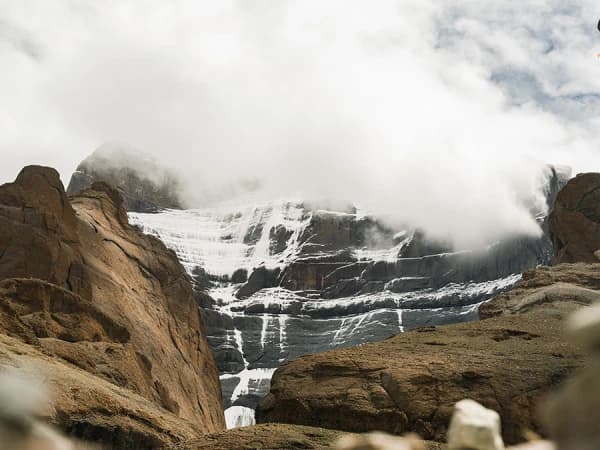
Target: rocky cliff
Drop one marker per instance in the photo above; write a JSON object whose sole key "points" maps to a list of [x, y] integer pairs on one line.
{"points": [[144, 185], [575, 220], [105, 313]]}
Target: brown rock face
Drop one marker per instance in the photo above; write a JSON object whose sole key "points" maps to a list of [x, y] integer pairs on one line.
{"points": [[103, 303], [575, 220], [410, 382], [92, 408]]}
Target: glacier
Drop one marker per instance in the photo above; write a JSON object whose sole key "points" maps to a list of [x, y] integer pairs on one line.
{"points": [[395, 282]]}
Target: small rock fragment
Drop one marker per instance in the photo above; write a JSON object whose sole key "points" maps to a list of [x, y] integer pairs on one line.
{"points": [[474, 427]]}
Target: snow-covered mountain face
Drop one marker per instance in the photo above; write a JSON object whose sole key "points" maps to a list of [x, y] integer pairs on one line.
{"points": [[279, 280]]}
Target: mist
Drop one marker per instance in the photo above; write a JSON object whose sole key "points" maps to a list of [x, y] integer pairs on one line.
{"points": [[439, 115]]}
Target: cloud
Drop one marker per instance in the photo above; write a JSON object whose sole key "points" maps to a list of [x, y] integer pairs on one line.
{"points": [[437, 114]]}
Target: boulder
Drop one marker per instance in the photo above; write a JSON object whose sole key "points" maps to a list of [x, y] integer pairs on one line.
{"points": [[474, 427]]}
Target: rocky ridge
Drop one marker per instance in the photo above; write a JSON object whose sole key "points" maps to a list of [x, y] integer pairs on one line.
{"points": [[144, 185], [106, 312]]}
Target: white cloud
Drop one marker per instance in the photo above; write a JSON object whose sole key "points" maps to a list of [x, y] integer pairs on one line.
{"points": [[436, 113]]}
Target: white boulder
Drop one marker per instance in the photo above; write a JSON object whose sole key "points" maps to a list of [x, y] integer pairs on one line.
{"points": [[474, 427]]}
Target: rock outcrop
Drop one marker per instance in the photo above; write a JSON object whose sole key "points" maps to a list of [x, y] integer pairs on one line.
{"points": [[106, 313], [575, 220], [144, 185], [410, 382], [274, 436]]}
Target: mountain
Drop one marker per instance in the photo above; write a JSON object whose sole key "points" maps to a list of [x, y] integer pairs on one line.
{"points": [[145, 185], [105, 315], [509, 361], [280, 280]]}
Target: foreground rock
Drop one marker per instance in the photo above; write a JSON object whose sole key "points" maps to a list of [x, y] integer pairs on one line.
{"points": [[144, 185], [91, 408], [264, 436], [273, 436], [410, 383], [106, 313], [575, 220]]}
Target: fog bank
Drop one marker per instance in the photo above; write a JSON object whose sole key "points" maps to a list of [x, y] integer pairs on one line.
{"points": [[438, 115]]}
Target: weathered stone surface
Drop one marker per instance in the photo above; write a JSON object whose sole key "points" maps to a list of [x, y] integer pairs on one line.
{"points": [[577, 284], [575, 220], [81, 285], [90, 407], [143, 184], [267, 436], [274, 436], [411, 382]]}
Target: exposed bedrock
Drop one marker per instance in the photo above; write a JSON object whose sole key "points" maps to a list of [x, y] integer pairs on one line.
{"points": [[109, 311], [506, 362], [277, 436], [575, 220]]}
